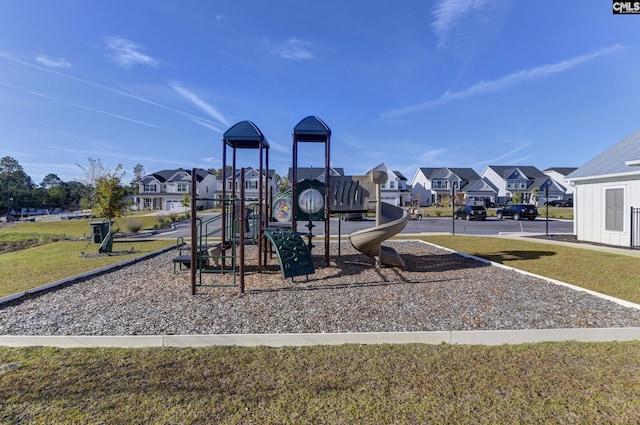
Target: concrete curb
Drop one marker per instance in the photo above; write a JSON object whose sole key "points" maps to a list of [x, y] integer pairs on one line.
{"points": [[486, 337]]}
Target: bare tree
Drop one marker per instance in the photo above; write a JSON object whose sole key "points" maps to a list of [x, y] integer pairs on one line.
{"points": [[90, 175]]}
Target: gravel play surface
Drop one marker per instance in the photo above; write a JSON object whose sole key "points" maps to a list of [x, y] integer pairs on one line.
{"points": [[437, 291]]}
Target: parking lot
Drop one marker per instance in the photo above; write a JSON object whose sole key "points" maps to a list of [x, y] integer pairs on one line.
{"points": [[490, 226]]}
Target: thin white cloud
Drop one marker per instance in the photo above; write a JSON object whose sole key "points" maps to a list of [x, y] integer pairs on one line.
{"points": [[199, 103], [279, 147], [431, 155], [508, 156], [7, 56], [88, 108], [296, 49], [208, 125], [450, 16], [501, 84], [116, 153], [126, 53], [53, 62]]}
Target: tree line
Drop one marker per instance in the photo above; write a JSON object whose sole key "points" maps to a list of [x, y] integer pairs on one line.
{"points": [[18, 191]]}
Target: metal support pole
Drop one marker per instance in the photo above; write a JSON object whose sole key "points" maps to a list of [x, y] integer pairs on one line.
{"points": [[453, 208], [241, 230], [224, 203], [378, 213], [327, 192], [294, 182], [194, 236], [546, 196]]}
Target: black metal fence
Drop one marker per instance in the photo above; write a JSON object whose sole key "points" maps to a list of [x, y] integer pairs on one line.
{"points": [[635, 228]]}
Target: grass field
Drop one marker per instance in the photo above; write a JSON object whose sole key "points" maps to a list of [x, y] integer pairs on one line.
{"points": [[560, 383], [47, 251]]}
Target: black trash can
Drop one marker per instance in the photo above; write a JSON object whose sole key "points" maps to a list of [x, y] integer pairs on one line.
{"points": [[99, 230]]}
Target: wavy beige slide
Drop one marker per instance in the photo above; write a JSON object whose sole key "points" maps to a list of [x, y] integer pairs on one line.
{"points": [[369, 241]]}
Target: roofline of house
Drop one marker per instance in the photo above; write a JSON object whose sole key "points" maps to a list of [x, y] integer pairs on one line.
{"points": [[603, 176]]}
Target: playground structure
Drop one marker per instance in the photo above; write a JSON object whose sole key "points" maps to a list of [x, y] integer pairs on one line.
{"points": [[271, 221], [390, 220]]}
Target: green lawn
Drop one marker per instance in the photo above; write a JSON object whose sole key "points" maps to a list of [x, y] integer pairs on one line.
{"points": [[50, 251], [562, 383]]}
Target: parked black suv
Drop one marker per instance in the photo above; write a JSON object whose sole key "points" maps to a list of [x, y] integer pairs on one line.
{"points": [[471, 212], [518, 212]]}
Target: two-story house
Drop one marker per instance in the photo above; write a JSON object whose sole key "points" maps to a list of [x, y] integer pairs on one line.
{"points": [[395, 190], [431, 186], [251, 183], [526, 183], [165, 190], [559, 175]]}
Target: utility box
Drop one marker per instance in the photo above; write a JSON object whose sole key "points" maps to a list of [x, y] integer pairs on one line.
{"points": [[99, 230]]}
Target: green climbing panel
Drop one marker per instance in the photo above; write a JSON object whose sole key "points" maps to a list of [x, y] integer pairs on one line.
{"points": [[293, 254]]}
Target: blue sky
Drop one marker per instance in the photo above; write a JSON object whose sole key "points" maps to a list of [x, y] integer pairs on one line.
{"points": [[411, 83]]}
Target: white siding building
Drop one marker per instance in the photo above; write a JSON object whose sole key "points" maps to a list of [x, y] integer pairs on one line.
{"points": [[606, 192]]}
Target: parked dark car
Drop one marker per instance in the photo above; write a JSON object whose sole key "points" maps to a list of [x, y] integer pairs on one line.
{"points": [[471, 212], [353, 216], [560, 203], [518, 212]]}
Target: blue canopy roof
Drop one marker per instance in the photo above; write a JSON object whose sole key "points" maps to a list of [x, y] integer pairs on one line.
{"points": [[311, 129], [245, 135]]}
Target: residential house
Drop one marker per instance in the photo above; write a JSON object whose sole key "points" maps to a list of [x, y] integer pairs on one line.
{"points": [[432, 186], [395, 190], [165, 190], [251, 183], [607, 195], [526, 183], [559, 175]]}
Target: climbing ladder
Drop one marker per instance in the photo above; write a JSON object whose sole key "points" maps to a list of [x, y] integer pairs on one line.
{"points": [[293, 255]]}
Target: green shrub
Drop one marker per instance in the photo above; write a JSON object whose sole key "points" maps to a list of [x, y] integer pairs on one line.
{"points": [[133, 225]]}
